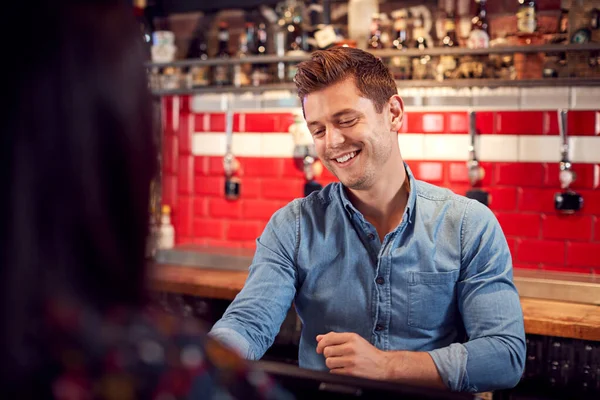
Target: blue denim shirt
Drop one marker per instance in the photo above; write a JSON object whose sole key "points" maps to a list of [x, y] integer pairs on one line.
{"points": [[441, 282]]}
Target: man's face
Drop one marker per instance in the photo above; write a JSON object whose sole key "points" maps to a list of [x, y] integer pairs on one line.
{"points": [[351, 138]]}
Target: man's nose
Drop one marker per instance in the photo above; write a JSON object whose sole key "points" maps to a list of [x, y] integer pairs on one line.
{"points": [[334, 137]]}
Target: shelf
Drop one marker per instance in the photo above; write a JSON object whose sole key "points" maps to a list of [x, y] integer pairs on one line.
{"points": [[457, 83], [388, 53]]}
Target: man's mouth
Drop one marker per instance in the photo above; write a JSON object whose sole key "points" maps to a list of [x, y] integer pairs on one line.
{"points": [[346, 157]]}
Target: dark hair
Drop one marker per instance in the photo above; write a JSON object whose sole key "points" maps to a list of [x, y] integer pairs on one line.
{"points": [[327, 67], [76, 162]]}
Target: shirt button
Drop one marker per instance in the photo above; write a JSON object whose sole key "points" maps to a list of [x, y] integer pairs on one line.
{"points": [[379, 327], [380, 280], [371, 236]]}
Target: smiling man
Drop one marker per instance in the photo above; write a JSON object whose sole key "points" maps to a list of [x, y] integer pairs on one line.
{"points": [[393, 278]]}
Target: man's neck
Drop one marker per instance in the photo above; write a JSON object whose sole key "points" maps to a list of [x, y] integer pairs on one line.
{"points": [[384, 203]]}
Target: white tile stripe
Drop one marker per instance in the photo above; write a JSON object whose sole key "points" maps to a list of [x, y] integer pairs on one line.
{"points": [[444, 147]]}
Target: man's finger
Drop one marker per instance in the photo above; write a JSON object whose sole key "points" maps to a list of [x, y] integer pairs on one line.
{"points": [[337, 350], [341, 371], [332, 339], [337, 362]]}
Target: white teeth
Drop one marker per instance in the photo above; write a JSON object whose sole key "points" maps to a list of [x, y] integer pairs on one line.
{"points": [[346, 157]]}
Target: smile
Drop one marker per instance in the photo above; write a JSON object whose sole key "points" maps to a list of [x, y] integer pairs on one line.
{"points": [[347, 157]]}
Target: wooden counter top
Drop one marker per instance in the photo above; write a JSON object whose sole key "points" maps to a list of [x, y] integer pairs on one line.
{"points": [[542, 317]]}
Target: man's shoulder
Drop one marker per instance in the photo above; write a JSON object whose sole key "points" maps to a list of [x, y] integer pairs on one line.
{"points": [[436, 197], [313, 203]]}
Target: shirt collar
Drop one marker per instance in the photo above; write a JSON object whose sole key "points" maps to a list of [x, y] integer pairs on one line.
{"points": [[410, 204]]}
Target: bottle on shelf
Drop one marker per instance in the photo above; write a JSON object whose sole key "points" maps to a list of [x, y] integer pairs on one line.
{"points": [[296, 44], [479, 38], [375, 41], [243, 72], [359, 14], [139, 10], [526, 16], [315, 16], [450, 39], [166, 231], [400, 65], [199, 74], [448, 63], [260, 72], [222, 72], [563, 22], [421, 66]]}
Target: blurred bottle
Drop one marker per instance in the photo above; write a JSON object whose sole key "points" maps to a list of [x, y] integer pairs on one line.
{"points": [[450, 39], [448, 63], [166, 231], [563, 23], [374, 41], [296, 44], [315, 16], [200, 74], [222, 72], [400, 65], [421, 66], [243, 71], [359, 14], [526, 16], [139, 10], [260, 72], [479, 38]]}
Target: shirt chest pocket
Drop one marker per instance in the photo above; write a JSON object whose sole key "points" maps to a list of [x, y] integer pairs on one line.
{"points": [[431, 299]]}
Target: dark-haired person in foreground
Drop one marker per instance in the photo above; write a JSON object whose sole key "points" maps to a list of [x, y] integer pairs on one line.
{"points": [[76, 160], [387, 273]]}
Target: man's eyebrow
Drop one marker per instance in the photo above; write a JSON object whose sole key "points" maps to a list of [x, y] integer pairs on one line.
{"points": [[341, 113], [346, 111]]}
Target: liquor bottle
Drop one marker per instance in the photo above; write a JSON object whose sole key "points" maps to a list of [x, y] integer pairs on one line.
{"points": [[374, 41], [243, 71], [296, 36], [450, 39], [421, 66], [479, 38], [400, 65], [139, 10], [526, 16], [448, 63], [315, 14], [563, 22], [200, 74], [222, 72], [419, 34], [260, 72]]}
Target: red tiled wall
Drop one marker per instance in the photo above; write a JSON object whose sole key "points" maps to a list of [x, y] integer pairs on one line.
{"points": [[522, 193]]}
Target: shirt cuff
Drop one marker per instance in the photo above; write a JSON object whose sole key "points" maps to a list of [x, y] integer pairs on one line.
{"points": [[451, 363], [233, 340]]}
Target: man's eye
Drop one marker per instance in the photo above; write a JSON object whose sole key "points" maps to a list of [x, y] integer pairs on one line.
{"points": [[348, 122], [318, 132]]}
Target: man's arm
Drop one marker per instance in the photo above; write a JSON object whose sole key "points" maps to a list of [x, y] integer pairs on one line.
{"points": [[253, 319], [494, 356], [351, 354]]}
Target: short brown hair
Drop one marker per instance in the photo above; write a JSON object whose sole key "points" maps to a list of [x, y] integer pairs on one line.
{"points": [[326, 67]]}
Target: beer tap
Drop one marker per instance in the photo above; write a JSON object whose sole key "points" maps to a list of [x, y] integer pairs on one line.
{"points": [[568, 201], [304, 150], [474, 170], [230, 163]]}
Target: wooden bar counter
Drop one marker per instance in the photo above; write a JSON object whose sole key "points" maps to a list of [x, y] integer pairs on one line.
{"points": [[542, 317]]}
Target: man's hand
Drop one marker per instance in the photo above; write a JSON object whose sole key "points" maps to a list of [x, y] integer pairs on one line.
{"points": [[350, 354]]}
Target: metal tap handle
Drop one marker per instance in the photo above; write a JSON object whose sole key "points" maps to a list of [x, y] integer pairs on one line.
{"points": [[562, 128], [472, 133], [229, 125], [309, 172]]}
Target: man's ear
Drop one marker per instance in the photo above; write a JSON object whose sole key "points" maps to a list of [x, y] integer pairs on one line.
{"points": [[396, 112]]}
